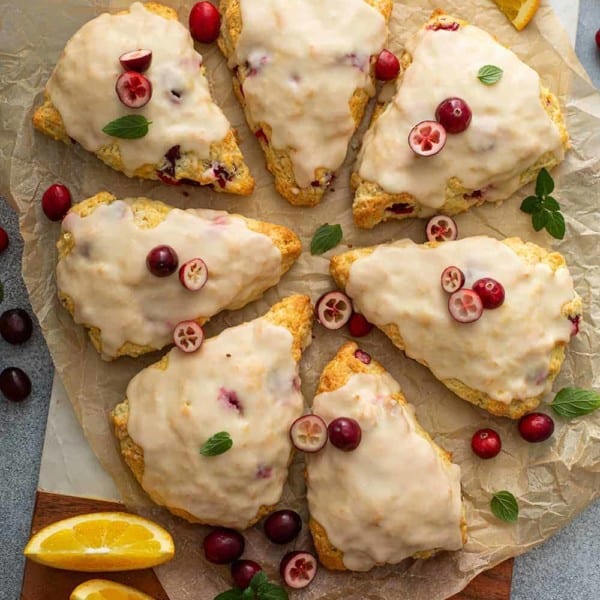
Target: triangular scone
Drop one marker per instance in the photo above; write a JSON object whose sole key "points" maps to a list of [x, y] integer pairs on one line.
{"points": [[303, 74], [189, 139], [104, 282], [505, 361], [244, 382], [397, 494], [516, 129]]}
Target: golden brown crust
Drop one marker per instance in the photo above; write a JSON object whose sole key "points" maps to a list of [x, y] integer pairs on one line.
{"points": [[334, 376], [530, 253], [278, 161], [371, 201], [149, 213], [190, 167], [295, 313]]}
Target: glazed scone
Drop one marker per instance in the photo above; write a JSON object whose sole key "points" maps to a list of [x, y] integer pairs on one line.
{"points": [[104, 282], [244, 382], [516, 129], [505, 361], [303, 74], [189, 139], [398, 494]]}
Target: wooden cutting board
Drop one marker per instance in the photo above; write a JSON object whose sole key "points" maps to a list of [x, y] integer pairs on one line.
{"points": [[43, 583]]}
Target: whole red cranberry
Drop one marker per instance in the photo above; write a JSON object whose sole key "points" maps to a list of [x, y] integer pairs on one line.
{"points": [[205, 22], [3, 240], [536, 427], [345, 433], [387, 66], [486, 443], [242, 572], [222, 546], [358, 326], [56, 202], [598, 39], [15, 384]]}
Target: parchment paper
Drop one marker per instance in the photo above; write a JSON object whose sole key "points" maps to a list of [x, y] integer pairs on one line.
{"points": [[553, 481]]}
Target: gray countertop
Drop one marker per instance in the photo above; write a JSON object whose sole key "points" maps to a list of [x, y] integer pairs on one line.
{"points": [[565, 567]]}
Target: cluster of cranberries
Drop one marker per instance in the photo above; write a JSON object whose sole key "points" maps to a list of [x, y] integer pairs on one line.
{"points": [[225, 546], [534, 427], [334, 310], [16, 328], [427, 138]]}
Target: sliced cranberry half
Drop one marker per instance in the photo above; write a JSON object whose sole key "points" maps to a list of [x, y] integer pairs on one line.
{"points": [[465, 306], [454, 114], [427, 138], [298, 569], [205, 22], [452, 279], [334, 310], [358, 326], [536, 427], [441, 228], [134, 89], [486, 443], [309, 433], [56, 202], [3, 240], [188, 336], [387, 66], [136, 60], [490, 291], [193, 274]]}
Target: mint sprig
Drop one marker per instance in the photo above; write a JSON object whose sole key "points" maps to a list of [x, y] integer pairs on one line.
{"points": [[490, 74], [543, 208], [129, 127], [504, 505], [326, 237], [260, 588], [574, 402], [217, 444]]}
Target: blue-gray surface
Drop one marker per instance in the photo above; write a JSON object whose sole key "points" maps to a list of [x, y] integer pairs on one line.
{"points": [[567, 567]]}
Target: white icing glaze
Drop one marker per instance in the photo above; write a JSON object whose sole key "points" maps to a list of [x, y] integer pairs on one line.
{"points": [[309, 56], [509, 130], [507, 352], [82, 87], [391, 497], [106, 275], [173, 412]]}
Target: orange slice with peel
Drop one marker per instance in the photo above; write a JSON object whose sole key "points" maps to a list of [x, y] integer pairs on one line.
{"points": [[109, 541], [102, 589], [518, 12]]}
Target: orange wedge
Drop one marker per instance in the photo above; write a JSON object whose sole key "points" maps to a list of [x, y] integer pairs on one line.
{"points": [[109, 541], [102, 589], [519, 12]]}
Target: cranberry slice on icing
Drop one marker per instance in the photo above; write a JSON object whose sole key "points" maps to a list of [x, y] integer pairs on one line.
{"points": [[298, 569], [441, 228], [205, 22], [193, 274], [465, 306], [188, 336], [452, 279], [387, 66], [309, 433], [136, 60], [427, 138], [134, 89], [334, 310], [490, 291]]}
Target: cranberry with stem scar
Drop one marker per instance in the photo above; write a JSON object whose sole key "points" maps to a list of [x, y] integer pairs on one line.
{"points": [[3, 240], [486, 443], [205, 22], [56, 202], [15, 384], [490, 291], [454, 114]]}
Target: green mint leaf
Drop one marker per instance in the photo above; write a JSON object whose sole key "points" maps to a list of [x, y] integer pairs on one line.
{"points": [[270, 591], [555, 225], [544, 184], [249, 594], [575, 402], [549, 203], [217, 444], [531, 205], [258, 580], [232, 594], [489, 74], [326, 238], [539, 219], [504, 506], [129, 127]]}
